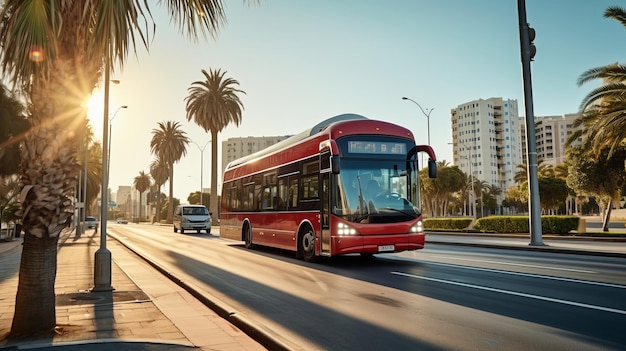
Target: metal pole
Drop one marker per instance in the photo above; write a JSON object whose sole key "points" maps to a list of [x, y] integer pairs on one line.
{"points": [[102, 260], [111, 133], [201, 165], [80, 184], [531, 143], [425, 112]]}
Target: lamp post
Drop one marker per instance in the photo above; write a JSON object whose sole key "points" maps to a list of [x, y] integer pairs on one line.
{"points": [[102, 259], [201, 165], [111, 133], [426, 113]]}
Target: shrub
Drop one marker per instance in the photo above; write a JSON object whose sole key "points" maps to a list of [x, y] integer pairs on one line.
{"points": [[519, 224], [446, 223]]}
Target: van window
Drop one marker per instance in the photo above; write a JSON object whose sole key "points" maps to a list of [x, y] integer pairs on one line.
{"points": [[194, 211]]}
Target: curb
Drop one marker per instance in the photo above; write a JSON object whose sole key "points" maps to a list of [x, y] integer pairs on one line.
{"points": [[220, 308], [542, 248]]}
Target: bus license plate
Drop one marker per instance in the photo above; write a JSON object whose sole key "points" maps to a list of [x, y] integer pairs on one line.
{"points": [[383, 248]]}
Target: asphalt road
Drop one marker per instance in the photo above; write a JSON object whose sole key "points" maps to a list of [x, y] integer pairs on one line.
{"points": [[440, 298]]}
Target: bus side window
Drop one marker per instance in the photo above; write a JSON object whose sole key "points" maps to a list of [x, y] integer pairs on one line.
{"points": [[283, 197], [310, 187], [258, 193], [266, 200], [247, 197], [293, 192]]}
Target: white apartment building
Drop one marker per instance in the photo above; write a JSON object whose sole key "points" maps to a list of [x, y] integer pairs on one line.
{"points": [[486, 140], [551, 134], [235, 148]]}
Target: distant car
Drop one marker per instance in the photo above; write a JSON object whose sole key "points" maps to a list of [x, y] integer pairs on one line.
{"points": [[192, 217], [121, 221], [91, 222]]}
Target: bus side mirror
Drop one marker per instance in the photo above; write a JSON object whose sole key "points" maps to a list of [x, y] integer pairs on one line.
{"points": [[432, 168], [334, 164]]}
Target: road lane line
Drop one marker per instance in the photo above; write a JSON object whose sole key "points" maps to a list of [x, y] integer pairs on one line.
{"points": [[518, 264], [531, 275], [514, 293]]}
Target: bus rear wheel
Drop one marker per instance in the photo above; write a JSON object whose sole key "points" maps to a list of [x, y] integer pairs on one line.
{"points": [[247, 236], [307, 245]]}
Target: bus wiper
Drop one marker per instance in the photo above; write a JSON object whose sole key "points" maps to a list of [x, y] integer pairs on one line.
{"points": [[410, 214]]}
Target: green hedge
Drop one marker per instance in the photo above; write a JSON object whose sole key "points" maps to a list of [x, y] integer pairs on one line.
{"points": [[504, 224], [519, 224], [446, 223]]}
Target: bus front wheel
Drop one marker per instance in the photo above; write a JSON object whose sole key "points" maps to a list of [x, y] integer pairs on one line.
{"points": [[307, 245]]}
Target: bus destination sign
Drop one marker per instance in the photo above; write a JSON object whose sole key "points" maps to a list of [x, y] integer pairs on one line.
{"points": [[376, 147]]}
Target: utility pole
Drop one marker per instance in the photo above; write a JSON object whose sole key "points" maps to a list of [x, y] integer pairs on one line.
{"points": [[527, 36]]}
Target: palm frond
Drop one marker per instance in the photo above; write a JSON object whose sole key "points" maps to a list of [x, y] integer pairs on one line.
{"points": [[617, 13]]}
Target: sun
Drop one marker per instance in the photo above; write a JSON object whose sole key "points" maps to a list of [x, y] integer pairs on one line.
{"points": [[95, 106], [95, 111]]}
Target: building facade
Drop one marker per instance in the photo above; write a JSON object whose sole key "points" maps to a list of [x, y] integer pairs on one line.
{"points": [[235, 148], [551, 135], [486, 140]]}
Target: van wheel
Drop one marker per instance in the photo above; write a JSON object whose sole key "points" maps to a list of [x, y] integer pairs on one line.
{"points": [[182, 231], [208, 231], [307, 245], [197, 231], [248, 237]]}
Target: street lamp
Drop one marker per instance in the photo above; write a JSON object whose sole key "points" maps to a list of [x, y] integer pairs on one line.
{"points": [[425, 112], [111, 133], [102, 259], [201, 164]]}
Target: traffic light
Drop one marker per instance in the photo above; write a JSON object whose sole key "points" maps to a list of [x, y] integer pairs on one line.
{"points": [[531, 39]]}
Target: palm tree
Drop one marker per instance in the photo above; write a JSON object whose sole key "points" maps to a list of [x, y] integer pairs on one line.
{"points": [[13, 125], [159, 172], [9, 192], [213, 104], [169, 144], [57, 52], [603, 110], [141, 183]]}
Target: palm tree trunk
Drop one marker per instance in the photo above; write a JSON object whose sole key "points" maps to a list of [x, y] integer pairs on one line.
{"points": [[170, 203], [158, 209], [140, 207], [35, 300], [213, 207], [607, 217]]}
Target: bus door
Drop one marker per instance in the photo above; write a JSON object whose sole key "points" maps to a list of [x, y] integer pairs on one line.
{"points": [[325, 173]]}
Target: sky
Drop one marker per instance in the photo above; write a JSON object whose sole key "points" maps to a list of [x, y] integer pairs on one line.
{"points": [[301, 62]]}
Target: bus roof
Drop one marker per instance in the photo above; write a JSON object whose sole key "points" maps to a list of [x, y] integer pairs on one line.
{"points": [[296, 138]]}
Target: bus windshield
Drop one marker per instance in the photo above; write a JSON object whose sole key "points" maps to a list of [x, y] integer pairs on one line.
{"points": [[376, 191]]}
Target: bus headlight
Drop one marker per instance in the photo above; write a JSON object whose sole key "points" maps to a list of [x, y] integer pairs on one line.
{"points": [[418, 227], [344, 229]]}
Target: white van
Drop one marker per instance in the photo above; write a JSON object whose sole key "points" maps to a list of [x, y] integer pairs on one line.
{"points": [[192, 217]]}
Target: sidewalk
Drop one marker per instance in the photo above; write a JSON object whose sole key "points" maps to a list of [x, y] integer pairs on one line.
{"points": [[146, 311]]}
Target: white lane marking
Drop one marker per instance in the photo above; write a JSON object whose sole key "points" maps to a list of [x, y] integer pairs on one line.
{"points": [[531, 275], [514, 293], [517, 264], [589, 282]]}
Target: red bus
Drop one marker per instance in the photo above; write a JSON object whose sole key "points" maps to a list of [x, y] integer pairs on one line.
{"points": [[348, 185]]}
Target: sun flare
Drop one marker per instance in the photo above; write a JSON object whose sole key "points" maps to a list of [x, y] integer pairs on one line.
{"points": [[95, 111]]}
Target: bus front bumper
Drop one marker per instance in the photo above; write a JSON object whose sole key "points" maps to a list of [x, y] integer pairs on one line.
{"points": [[377, 243]]}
